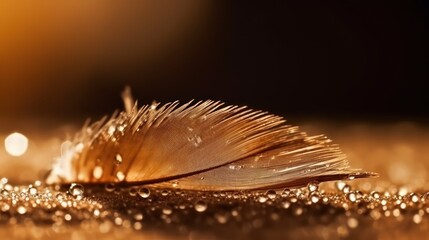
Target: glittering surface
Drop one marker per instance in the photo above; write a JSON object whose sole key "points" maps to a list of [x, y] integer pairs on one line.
{"points": [[388, 207]]}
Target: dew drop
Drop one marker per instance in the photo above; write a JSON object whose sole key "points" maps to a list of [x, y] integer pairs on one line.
{"points": [[76, 190], [235, 167], [175, 184], [60, 196], [109, 187], [138, 216], [97, 172], [111, 130], [120, 176], [96, 212], [4, 207], [314, 198], [285, 192], [32, 191], [403, 191], [144, 192], [313, 186], [347, 189], [137, 225], [164, 193], [133, 191], [262, 199], [298, 211], [118, 221], [197, 140], [221, 217], [67, 217], [286, 204], [417, 218], [414, 198], [375, 195], [167, 210], [351, 197], [4, 192], [352, 222], [21, 210], [200, 206], [340, 185], [271, 194], [118, 159]]}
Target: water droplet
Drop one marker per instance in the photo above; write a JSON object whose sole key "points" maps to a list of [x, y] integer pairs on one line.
{"points": [[286, 204], [118, 159], [351, 197], [60, 196], [313, 186], [352, 222], [133, 191], [120, 176], [76, 190], [314, 198], [21, 210], [262, 199], [235, 167], [96, 212], [417, 218], [138, 216], [403, 191], [4, 192], [414, 198], [32, 191], [167, 210], [118, 221], [175, 184], [221, 217], [4, 207], [164, 193], [340, 185], [200, 206], [97, 172], [286, 192], [271, 194], [144, 192], [111, 130], [347, 189], [197, 140], [109, 187], [3, 181], [298, 211], [67, 217], [375, 195], [16, 144]]}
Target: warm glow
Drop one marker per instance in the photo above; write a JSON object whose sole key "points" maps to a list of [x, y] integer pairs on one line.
{"points": [[16, 144]]}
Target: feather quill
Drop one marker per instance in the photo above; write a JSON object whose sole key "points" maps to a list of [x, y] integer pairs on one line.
{"points": [[206, 145]]}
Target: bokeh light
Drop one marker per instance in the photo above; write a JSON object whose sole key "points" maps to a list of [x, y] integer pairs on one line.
{"points": [[16, 144]]}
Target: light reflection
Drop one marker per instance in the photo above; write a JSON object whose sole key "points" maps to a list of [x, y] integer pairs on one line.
{"points": [[16, 144]]}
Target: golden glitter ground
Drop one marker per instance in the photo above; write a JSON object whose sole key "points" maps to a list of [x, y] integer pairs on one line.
{"points": [[332, 212], [394, 206]]}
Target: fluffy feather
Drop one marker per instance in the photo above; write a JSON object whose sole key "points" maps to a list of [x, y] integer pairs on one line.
{"points": [[203, 146]]}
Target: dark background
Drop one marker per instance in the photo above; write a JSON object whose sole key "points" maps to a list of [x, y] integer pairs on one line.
{"points": [[329, 59]]}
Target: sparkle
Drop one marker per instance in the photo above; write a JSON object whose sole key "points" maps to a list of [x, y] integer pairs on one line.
{"points": [[16, 144]]}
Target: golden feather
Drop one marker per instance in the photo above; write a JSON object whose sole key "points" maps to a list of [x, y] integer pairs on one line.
{"points": [[201, 146]]}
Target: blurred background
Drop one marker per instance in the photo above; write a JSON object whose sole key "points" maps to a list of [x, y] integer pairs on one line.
{"points": [[331, 58], [337, 61]]}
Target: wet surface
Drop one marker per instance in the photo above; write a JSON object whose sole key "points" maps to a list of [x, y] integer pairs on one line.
{"points": [[395, 205]]}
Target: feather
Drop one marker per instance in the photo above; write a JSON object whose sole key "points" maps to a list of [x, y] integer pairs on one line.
{"points": [[206, 145]]}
